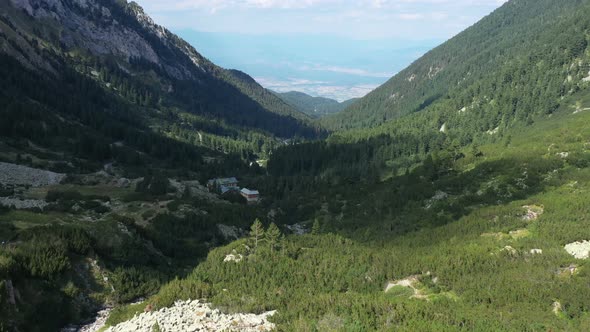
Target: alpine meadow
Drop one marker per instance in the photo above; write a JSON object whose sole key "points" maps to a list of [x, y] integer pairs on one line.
{"points": [[145, 188]]}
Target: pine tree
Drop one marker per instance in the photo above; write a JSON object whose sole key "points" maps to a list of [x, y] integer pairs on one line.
{"points": [[256, 232], [273, 235], [316, 228]]}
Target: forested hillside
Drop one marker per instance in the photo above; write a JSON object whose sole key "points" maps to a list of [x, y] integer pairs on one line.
{"points": [[506, 85], [110, 127], [513, 64], [475, 243], [455, 215], [316, 107], [116, 62], [455, 200]]}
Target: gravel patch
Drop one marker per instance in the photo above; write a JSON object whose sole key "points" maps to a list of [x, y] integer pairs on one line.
{"points": [[195, 316], [298, 229], [21, 204], [12, 174]]}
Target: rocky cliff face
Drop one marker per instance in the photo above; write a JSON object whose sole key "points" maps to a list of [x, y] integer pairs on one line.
{"points": [[115, 28], [120, 39]]}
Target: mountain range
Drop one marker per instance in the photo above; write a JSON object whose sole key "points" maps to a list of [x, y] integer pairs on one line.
{"points": [[451, 198]]}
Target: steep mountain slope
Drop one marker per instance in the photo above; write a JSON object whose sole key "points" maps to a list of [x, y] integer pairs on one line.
{"points": [[525, 48], [452, 218], [117, 45], [314, 106], [475, 244], [527, 77], [115, 106], [455, 215]]}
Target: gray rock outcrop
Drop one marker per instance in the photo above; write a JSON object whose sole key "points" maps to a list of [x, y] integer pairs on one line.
{"points": [[12, 174], [21, 204], [195, 316]]}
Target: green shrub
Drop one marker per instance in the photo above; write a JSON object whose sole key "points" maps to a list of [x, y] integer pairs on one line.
{"points": [[102, 209], [4, 192], [181, 290], [148, 214], [90, 205], [7, 265], [124, 313], [138, 196], [61, 206], [43, 260], [579, 160], [154, 184], [132, 283], [74, 239], [234, 197], [71, 290], [59, 195], [173, 206]]}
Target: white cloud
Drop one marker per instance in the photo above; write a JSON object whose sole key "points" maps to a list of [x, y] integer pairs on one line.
{"points": [[166, 5], [367, 5], [361, 19], [411, 16]]}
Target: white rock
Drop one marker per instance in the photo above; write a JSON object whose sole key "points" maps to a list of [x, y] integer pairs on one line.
{"points": [[233, 258], [533, 212], [580, 250], [439, 196], [195, 316], [494, 131], [563, 155], [408, 282], [510, 250], [556, 307], [536, 251]]}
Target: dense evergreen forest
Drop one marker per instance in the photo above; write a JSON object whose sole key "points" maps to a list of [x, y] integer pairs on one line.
{"points": [[532, 72], [480, 239], [501, 68], [316, 107], [442, 201], [440, 195]]}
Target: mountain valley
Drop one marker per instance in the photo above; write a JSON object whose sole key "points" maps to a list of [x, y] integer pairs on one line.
{"points": [[143, 185]]}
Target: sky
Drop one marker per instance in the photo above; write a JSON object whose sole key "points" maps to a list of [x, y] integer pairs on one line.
{"points": [[339, 49]]}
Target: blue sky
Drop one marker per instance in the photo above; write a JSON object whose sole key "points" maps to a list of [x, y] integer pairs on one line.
{"points": [[333, 48]]}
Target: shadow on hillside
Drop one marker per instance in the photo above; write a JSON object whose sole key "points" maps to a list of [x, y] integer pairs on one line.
{"points": [[412, 202]]}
